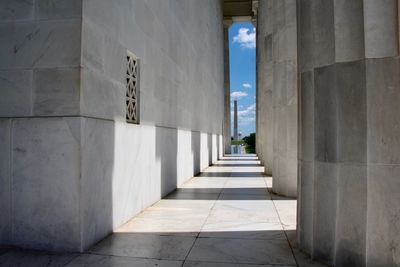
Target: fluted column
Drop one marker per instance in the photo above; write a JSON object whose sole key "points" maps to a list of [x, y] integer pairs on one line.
{"points": [[227, 91], [277, 93], [264, 120], [349, 157]]}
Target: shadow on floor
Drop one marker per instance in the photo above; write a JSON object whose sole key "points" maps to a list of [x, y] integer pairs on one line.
{"points": [[239, 159], [225, 249], [209, 222], [220, 193], [231, 174], [236, 165]]}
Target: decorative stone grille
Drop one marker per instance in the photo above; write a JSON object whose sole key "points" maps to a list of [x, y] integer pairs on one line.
{"points": [[132, 88]]}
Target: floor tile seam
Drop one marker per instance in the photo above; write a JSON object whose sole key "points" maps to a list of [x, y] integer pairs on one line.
{"points": [[198, 234], [207, 193], [152, 234], [194, 241], [73, 258], [260, 196], [36, 252], [245, 193], [287, 238], [129, 257], [269, 192], [258, 222], [201, 229], [282, 224], [174, 216], [261, 211], [212, 208], [241, 238], [177, 234], [239, 264], [247, 263]]}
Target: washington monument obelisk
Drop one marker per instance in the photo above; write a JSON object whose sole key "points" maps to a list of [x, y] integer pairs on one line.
{"points": [[235, 121]]}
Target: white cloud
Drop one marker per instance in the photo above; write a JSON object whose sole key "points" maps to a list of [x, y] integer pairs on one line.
{"points": [[247, 85], [246, 116], [246, 38], [239, 94]]}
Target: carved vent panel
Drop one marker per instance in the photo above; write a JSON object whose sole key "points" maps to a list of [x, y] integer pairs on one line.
{"points": [[132, 88]]}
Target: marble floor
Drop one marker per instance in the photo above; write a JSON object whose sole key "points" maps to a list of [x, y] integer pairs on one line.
{"points": [[226, 216]]}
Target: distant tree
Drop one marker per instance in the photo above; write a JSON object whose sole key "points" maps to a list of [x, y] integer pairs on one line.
{"points": [[250, 142]]}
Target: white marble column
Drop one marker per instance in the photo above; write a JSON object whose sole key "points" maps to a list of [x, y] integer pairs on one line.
{"points": [[277, 93], [349, 158], [227, 90], [235, 121]]}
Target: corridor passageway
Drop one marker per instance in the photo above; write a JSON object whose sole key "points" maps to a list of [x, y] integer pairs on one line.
{"points": [[226, 216]]}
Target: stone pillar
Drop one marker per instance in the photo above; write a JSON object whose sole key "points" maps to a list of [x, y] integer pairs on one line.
{"points": [[277, 93], [235, 121], [349, 157], [264, 122], [40, 49], [227, 90], [71, 168]]}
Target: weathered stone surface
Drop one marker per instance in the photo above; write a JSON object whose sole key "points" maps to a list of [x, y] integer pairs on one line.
{"points": [[306, 206], [5, 181], [355, 118], [101, 97], [12, 10], [97, 199], [264, 99], [349, 30], [307, 116], [305, 35], [383, 223], [38, 44], [322, 26], [383, 91], [101, 52], [176, 71], [351, 215], [227, 92], [351, 112], [61, 9], [325, 200], [325, 114], [56, 92], [77, 177], [277, 139], [46, 199], [381, 28], [16, 93]]}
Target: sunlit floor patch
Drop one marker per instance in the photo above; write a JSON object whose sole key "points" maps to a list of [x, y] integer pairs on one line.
{"points": [[226, 216]]}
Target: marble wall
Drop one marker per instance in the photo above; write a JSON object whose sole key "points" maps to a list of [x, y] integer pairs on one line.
{"points": [[71, 169], [40, 48], [277, 93], [349, 155]]}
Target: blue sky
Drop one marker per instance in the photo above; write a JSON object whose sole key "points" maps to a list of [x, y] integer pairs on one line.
{"points": [[243, 74]]}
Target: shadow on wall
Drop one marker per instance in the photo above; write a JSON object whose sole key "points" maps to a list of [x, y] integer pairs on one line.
{"points": [[94, 176], [99, 160], [62, 199], [218, 147], [167, 157], [196, 152], [237, 249], [210, 149]]}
